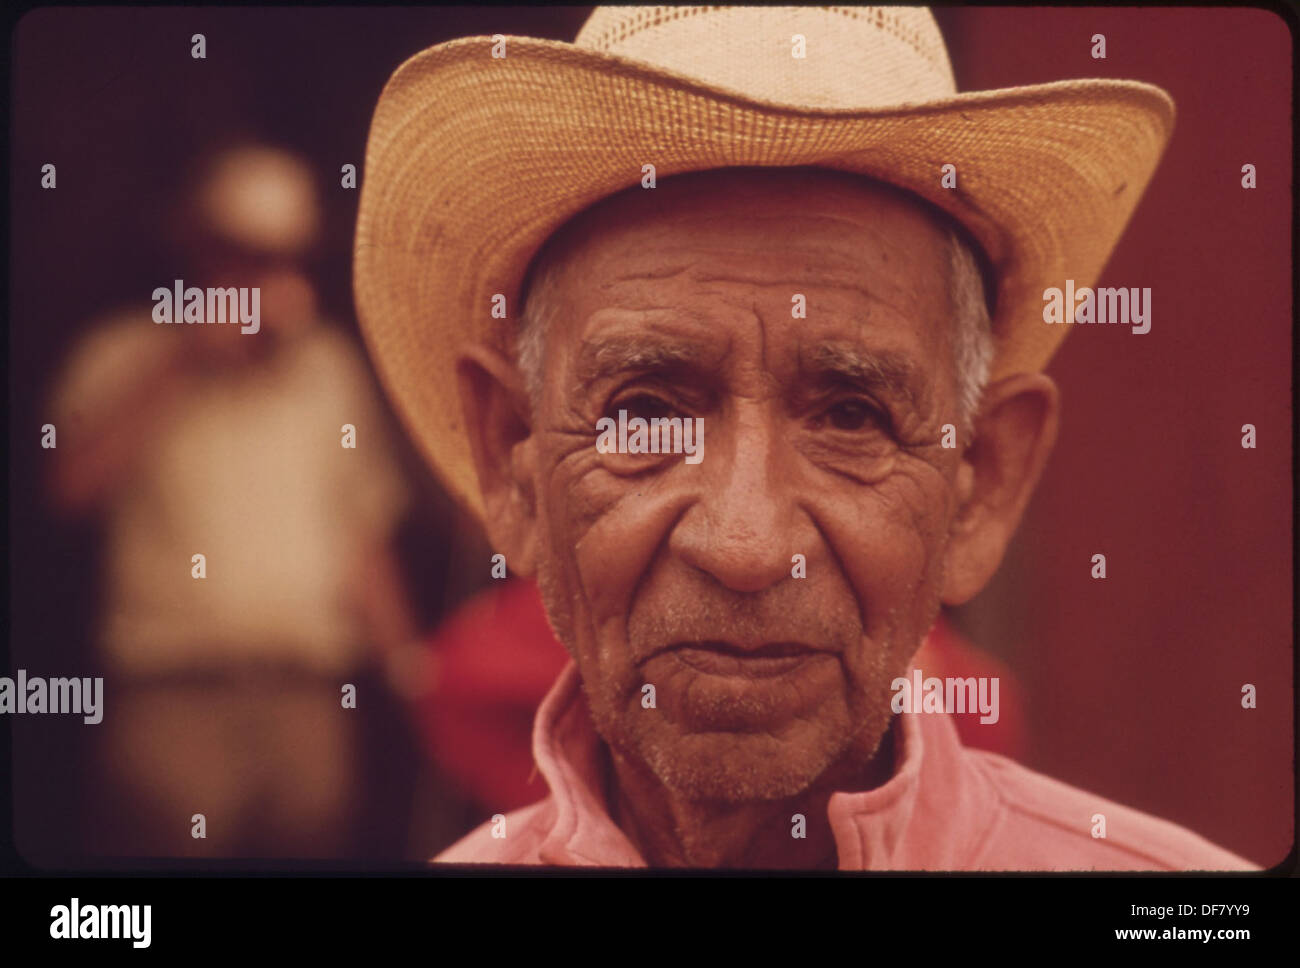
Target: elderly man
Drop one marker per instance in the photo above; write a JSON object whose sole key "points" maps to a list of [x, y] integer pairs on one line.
{"points": [[744, 219]]}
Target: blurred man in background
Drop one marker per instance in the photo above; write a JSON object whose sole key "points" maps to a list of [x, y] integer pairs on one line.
{"points": [[226, 677]]}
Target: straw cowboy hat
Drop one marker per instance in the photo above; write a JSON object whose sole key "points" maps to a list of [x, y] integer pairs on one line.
{"points": [[474, 160]]}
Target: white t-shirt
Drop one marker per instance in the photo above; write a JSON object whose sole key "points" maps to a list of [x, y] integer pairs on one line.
{"points": [[247, 468]]}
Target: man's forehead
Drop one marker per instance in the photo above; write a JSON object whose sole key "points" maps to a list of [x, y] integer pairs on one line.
{"points": [[816, 219], [699, 311], [828, 236], [823, 268]]}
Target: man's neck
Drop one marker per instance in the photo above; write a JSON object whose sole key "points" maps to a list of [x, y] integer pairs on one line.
{"points": [[671, 830]]}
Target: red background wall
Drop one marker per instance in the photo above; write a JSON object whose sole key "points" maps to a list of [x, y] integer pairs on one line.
{"points": [[1133, 684]]}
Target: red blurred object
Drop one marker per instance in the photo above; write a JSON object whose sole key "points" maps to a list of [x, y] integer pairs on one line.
{"points": [[496, 657], [946, 652]]}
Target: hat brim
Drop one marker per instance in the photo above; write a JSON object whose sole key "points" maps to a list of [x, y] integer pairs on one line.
{"points": [[473, 161]]}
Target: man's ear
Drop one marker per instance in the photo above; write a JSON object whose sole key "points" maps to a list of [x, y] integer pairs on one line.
{"points": [[1013, 436], [498, 422]]}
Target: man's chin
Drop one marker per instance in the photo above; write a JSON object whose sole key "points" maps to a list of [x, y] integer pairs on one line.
{"points": [[779, 760], [734, 767]]}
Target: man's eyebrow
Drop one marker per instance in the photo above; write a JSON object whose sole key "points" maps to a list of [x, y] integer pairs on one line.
{"points": [[887, 371], [605, 356]]}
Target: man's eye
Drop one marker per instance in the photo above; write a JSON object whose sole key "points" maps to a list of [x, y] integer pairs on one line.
{"points": [[851, 415], [645, 405]]}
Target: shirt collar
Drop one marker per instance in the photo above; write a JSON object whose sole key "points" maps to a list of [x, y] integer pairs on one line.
{"points": [[869, 827]]}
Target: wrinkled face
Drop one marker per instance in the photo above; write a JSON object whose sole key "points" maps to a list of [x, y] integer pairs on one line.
{"points": [[771, 591]]}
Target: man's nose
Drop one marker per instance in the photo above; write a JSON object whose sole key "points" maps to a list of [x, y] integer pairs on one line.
{"points": [[747, 522]]}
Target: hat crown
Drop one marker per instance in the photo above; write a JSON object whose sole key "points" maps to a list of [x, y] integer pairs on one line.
{"points": [[850, 57]]}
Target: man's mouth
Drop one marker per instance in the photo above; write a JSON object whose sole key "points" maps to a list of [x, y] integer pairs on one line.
{"points": [[758, 660]]}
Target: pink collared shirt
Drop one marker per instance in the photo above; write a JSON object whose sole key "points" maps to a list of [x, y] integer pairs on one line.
{"points": [[947, 807]]}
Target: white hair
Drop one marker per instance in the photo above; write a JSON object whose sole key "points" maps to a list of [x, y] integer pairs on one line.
{"points": [[971, 336], [972, 332]]}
